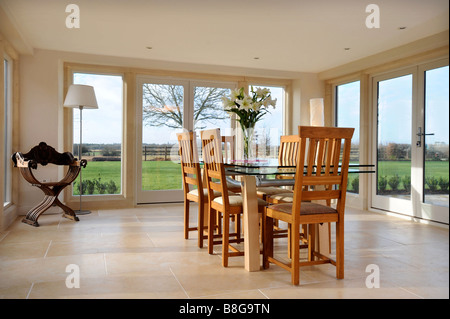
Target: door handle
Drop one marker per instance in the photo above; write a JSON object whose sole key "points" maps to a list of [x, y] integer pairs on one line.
{"points": [[419, 135]]}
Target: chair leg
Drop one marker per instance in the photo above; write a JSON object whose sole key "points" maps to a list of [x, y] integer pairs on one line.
{"points": [[225, 238], [267, 240], [200, 223], [340, 250], [186, 219], [311, 241], [211, 228], [329, 238], [237, 227], [295, 253], [289, 240]]}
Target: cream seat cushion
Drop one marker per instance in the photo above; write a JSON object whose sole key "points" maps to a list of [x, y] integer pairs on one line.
{"points": [[205, 192], [270, 190], [236, 200], [284, 197]]}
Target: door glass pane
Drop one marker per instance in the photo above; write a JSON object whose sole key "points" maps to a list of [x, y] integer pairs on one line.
{"points": [[162, 118], [101, 136], [394, 137], [347, 115], [436, 171]]}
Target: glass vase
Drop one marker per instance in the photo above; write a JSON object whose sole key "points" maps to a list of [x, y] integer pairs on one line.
{"points": [[247, 134]]}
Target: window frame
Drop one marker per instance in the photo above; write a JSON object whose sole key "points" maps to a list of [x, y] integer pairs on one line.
{"points": [[8, 129], [358, 200], [336, 118], [92, 201]]}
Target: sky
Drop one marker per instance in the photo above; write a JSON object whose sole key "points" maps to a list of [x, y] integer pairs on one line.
{"points": [[348, 107], [395, 110]]}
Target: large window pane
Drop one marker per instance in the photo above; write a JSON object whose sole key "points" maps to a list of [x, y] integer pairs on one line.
{"points": [[208, 109], [269, 129], [394, 137], [347, 115], [436, 137], [209, 112], [101, 135]]}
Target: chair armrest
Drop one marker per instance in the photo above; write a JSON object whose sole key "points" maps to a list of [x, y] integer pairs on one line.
{"points": [[19, 161]]}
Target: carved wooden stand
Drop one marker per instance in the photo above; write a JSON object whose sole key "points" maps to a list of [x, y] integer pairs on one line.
{"points": [[44, 154]]}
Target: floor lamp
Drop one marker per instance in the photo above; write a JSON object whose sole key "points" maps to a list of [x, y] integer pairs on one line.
{"points": [[82, 97]]}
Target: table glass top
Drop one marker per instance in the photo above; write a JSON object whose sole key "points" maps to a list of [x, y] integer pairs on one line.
{"points": [[270, 167]]}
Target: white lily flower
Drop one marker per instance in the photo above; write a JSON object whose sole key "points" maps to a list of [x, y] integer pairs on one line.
{"points": [[245, 103], [234, 95], [273, 102], [265, 91], [259, 92], [256, 106]]}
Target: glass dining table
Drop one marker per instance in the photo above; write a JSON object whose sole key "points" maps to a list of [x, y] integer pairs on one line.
{"points": [[261, 173]]}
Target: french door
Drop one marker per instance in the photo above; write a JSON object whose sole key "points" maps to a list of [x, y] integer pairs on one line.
{"points": [[411, 144], [166, 107]]}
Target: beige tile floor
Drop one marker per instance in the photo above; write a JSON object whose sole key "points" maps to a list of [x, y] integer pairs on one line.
{"points": [[141, 253]]}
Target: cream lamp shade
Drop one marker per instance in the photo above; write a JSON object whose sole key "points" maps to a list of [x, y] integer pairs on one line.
{"points": [[81, 96], [317, 112]]}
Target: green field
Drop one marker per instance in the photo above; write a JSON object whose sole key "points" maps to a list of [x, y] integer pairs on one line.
{"points": [[156, 175], [167, 174]]}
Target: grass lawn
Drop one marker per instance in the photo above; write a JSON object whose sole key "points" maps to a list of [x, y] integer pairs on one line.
{"points": [[167, 175], [155, 174]]}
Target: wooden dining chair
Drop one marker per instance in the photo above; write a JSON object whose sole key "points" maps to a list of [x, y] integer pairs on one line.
{"points": [[287, 156], [226, 204], [326, 165], [193, 190]]}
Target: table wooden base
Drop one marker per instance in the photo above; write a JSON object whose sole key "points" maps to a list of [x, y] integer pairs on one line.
{"points": [[252, 230]]}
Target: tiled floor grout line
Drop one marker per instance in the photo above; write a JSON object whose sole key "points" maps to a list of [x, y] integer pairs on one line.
{"points": [[104, 261], [263, 294], [48, 248], [4, 235], [153, 243], [419, 296], [184, 290], [29, 291]]}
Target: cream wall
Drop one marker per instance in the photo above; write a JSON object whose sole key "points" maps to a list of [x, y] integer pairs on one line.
{"points": [[41, 99], [307, 87]]}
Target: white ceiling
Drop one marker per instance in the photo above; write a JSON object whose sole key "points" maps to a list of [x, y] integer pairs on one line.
{"points": [[286, 35]]}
